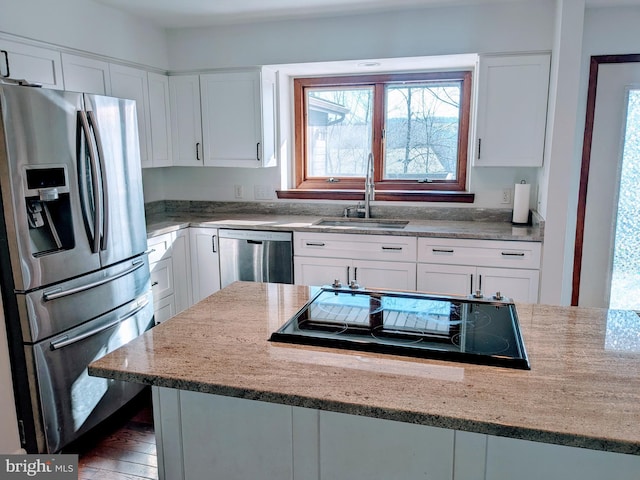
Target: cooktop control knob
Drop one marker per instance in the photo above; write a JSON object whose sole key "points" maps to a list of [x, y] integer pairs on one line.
{"points": [[336, 283], [498, 296], [477, 294], [353, 285]]}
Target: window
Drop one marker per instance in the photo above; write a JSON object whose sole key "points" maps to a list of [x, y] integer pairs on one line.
{"points": [[412, 127]]}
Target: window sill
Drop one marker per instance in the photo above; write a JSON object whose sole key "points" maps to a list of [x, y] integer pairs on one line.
{"points": [[380, 195]]}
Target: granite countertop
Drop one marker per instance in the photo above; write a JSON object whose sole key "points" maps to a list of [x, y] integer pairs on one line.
{"points": [[583, 388], [486, 230]]}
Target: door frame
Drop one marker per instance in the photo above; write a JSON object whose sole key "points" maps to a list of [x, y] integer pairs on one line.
{"points": [[596, 61]]}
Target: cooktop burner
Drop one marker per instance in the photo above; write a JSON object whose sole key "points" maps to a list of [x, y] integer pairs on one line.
{"points": [[482, 331]]}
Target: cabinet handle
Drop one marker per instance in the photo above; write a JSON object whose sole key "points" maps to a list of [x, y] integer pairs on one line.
{"points": [[392, 248], [258, 151], [480, 282], [442, 250], [355, 274], [154, 284], [6, 62], [348, 273], [213, 243], [479, 147], [512, 254], [471, 285], [314, 244], [198, 151]]}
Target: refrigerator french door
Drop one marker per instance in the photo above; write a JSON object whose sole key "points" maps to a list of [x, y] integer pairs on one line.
{"points": [[72, 253]]}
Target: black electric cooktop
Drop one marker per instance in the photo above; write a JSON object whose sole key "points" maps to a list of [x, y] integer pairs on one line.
{"points": [[473, 330]]}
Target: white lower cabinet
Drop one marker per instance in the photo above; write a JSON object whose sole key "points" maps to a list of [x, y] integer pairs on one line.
{"points": [[375, 261], [519, 284], [509, 458], [169, 266], [205, 262], [201, 435], [362, 448], [463, 267], [366, 273]]}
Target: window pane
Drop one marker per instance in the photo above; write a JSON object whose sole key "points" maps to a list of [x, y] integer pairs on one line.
{"points": [[339, 131], [421, 131]]}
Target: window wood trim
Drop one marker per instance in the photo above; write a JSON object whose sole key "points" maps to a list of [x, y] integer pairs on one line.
{"points": [[344, 184]]}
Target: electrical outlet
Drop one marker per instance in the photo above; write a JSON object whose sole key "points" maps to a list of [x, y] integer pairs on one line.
{"points": [[237, 191], [506, 195]]}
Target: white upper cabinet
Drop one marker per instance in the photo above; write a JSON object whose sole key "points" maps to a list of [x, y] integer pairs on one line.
{"points": [[159, 119], [511, 114], [231, 119], [223, 119], [19, 61], [84, 74], [186, 121], [131, 83]]}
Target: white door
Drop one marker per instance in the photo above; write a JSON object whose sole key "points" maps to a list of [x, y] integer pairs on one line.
{"points": [[616, 82], [320, 271], [390, 275], [446, 279]]}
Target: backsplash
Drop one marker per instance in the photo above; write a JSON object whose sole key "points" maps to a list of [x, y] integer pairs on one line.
{"points": [[332, 210]]}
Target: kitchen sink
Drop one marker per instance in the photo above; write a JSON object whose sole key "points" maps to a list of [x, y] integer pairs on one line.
{"points": [[363, 223]]}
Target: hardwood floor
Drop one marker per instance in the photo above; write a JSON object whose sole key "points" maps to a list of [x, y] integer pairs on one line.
{"points": [[124, 448]]}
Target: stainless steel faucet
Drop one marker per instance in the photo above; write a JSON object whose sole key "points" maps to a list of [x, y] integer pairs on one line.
{"points": [[369, 193], [369, 187]]}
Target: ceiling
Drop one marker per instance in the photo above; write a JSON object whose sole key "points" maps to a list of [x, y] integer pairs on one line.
{"points": [[194, 13]]}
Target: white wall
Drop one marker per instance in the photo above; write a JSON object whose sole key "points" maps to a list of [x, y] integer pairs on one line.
{"points": [[404, 33], [88, 26], [421, 32]]}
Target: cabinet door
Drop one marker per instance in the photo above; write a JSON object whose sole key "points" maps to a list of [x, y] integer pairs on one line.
{"points": [[164, 309], [520, 285], [508, 458], [446, 279], [205, 262], [186, 122], [159, 120], [181, 270], [231, 125], [392, 275], [83, 74], [34, 64], [131, 83], [363, 448], [511, 110], [320, 271]]}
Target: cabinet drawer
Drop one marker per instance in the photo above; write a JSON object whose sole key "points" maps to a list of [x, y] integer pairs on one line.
{"points": [[161, 278], [164, 309], [365, 247], [159, 247], [482, 253]]}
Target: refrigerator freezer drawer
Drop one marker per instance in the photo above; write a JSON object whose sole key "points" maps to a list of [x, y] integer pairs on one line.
{"points": [[71, 401], [54, 309]]}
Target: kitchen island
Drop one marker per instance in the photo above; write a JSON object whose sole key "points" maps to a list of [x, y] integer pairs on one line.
{"points": [[230, 404]]}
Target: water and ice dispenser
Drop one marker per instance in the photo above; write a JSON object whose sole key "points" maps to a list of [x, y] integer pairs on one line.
{"points": [[48, 209]]}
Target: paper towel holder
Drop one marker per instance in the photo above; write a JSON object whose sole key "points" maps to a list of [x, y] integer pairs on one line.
{"points": [[522, 214]]}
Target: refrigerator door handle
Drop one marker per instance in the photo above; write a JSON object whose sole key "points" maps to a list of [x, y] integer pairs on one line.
{"points": [[58, 292], [66, 341], [104, 206], [97, 218]]}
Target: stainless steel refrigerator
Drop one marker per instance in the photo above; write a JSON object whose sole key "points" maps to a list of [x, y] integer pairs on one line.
{"points": [[74, 272]]}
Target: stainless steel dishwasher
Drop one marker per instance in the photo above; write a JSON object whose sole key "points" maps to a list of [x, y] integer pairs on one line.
{"points": [[255, 256]]}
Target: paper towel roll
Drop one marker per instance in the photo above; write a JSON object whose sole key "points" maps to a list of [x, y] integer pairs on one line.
{"points": [[521, 203]]}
